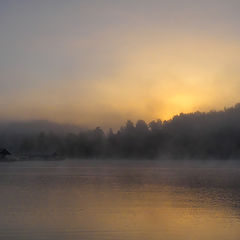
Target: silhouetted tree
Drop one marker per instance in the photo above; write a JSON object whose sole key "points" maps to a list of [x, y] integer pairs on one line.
{"points": [[215, 134]]}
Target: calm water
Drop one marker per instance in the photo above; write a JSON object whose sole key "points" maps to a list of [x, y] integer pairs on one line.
{"points": [[142, 201]]}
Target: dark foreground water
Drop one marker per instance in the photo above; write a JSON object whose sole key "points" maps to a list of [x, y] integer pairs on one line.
{"points": [[99, 200]]}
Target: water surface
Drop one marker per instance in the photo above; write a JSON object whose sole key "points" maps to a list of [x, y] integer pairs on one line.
{"points": [[102, 200]]}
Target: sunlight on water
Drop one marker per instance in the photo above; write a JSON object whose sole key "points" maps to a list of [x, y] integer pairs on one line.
{"points": [[71, 200]]}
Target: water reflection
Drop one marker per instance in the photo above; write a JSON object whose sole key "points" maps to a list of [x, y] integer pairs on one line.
{"points": [[71, 200]]}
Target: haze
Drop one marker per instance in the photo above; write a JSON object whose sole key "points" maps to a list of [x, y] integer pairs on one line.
{"points": [[103, 62]]}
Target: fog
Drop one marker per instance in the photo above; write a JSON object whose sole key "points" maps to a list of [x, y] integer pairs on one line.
{"points": [[103, 62], [198, 135]]}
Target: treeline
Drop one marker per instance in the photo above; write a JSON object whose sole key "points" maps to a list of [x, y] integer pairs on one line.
{"points": [[213, 135]]}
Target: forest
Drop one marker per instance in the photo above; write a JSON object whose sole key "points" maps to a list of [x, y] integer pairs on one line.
{"points": [[197, 135]]}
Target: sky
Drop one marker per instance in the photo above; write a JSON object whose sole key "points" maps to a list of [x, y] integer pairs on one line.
{"points": [[101, 62]]}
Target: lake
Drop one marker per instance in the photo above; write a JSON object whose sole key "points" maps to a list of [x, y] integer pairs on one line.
{"points": [[138, 200]]}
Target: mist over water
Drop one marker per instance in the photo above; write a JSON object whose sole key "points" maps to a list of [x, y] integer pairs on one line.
{"points": [[117, 120], [119, 200]]}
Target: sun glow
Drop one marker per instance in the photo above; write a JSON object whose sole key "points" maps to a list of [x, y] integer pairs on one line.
{"points": [[107, 73]]}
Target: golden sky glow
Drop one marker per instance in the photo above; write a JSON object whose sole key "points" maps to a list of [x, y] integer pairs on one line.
{"points": [[101, 64]]}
